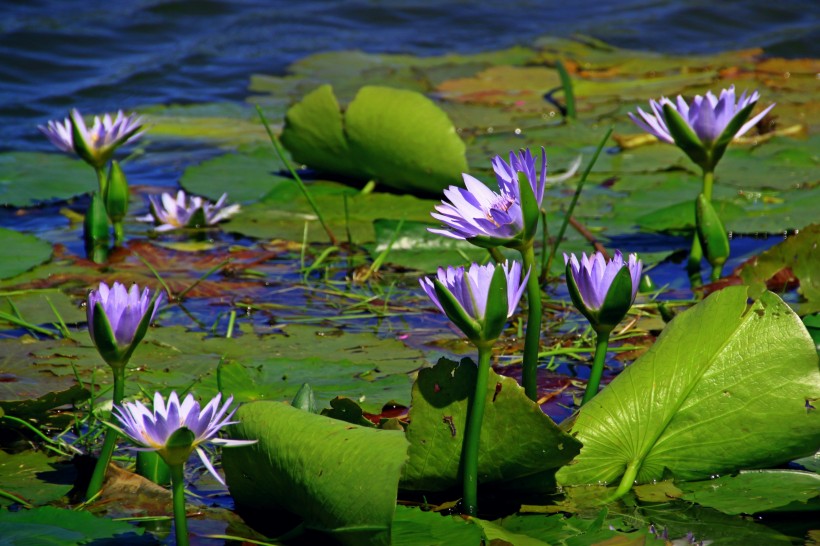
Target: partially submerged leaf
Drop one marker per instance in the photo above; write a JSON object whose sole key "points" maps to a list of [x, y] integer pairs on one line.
{"points": [[725, 387], [34, 477], [340, 478], [20, 252], [755, 491], [63, 527]]}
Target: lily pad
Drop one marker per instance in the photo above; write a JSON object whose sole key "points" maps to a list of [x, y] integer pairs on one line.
{"points": [[63, 527], [28, 178], [19, 252], [799, 253], [272, 367], [398, 137], [246, 178], [712, 408], [340, 478], [34, 477], [755, 491], [517, 438]]}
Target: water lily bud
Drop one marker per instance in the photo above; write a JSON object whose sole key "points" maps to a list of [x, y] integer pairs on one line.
{"points": [[603, 291], [118, 320], [712, 235], [116, 193], [95, 224], [478, 300]]}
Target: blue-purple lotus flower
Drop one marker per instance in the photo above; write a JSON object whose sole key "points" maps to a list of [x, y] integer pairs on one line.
{"points": [[96, 144], [603, 290], [186, 211], [704, 128], [708, 116], [152, 429], [486, 218], [118, 319], [465, 295]]}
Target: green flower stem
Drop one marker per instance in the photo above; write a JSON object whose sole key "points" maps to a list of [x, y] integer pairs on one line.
{"points": [[601, 346], [472, 434], [627, 480], [110, 442], [119, 233], [696, 252], [708, 183], [529, 376], [178, 488], [102, 180]]}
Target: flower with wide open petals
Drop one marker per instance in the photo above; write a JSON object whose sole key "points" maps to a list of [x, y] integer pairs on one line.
{"points": [[603, 290], [152, 430], [96, 144], [478, 300], [488, 219], [118, 319], [186, 211]]}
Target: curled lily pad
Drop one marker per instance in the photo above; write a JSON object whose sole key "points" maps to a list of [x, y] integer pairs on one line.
{"points": [[395, 136]]}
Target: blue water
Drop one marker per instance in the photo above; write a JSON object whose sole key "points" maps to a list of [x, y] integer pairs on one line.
{"points": [[101, 55]]}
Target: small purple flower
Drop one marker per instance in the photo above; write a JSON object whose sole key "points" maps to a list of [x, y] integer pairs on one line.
{"points": [[152, 430], [487, 218], [470, 289], [592, 282], [97, 144], [123, 320], [594, 275], [186, 211]]}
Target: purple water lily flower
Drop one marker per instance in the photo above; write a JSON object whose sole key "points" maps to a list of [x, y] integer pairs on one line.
{"points": [[594, 276], [187, 211], [126, 315], [97, 144], [708, 116], [152, 429], [470, 288], [485, 217]]}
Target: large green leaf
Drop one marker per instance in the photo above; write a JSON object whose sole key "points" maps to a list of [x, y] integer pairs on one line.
{"points": [[340, 478], [725, 387], [755, 491], [48, 526], [20, 252], [517, 438], [404, 140], [396, 136]]}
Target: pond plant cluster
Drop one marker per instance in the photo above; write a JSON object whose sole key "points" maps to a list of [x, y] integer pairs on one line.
{"points": [[704, 429]]}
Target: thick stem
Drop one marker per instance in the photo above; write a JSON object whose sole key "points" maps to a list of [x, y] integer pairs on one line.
{"points": [[119, 233], [627, 480], [110, 442], [102, 180], [597, 372], [472, 434], [696, 252], [178, 488], [708, 183], [532, 340], [693, 265]]}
